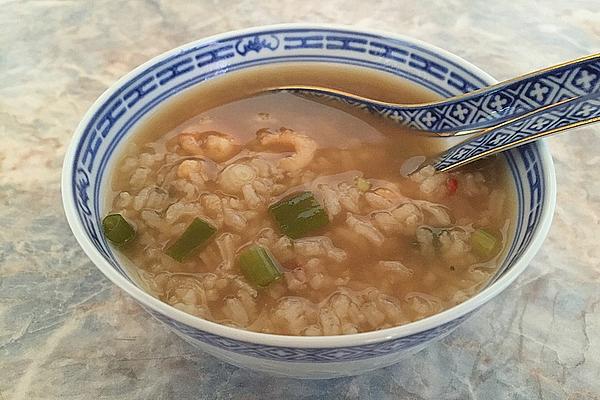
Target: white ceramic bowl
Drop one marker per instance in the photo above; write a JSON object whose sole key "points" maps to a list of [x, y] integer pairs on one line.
{"points": [[109, 122]]}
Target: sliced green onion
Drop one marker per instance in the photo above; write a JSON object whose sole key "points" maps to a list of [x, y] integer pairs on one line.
{"points": [[299, 214], [362, 184], [196, 234], [259, 266], [483, 243], [117, 229]]}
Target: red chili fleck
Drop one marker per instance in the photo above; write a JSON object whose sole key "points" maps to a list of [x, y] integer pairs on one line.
{"points": [[451, 185]]}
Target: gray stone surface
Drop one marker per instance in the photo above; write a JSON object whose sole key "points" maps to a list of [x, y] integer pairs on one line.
{"points": [[66, 332]]}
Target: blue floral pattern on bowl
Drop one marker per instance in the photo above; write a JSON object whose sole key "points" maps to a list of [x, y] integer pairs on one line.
{"points": [[315, 354]]}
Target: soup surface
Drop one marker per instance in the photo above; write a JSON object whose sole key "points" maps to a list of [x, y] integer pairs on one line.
{"points": [[311, 191]]}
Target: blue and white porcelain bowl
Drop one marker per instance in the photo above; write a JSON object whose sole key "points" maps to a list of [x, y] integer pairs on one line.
{"points": [[110, 121]]}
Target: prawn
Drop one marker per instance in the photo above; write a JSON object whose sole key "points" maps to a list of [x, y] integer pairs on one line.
{"points": [[215, 145], [304, 148]]}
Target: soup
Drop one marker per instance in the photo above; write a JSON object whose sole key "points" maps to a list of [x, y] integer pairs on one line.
{"points": [[283, 214]]}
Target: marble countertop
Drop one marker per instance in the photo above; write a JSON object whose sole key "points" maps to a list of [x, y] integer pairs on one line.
{"points": [[66, 332]]}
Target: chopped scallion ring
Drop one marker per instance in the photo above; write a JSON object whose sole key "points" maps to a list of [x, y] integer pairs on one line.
{"points": [[259, 266], [299, 214], [196, 234], [483, 243], [117, 230]]}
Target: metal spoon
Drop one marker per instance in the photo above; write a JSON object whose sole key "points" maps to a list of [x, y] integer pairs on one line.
{"points": [[494, 118]]}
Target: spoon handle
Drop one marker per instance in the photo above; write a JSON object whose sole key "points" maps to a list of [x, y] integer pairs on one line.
{"points": [[566, 114], [484, 107], [509, 99]]}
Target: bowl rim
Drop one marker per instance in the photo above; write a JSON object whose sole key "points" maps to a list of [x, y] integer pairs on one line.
{"points": [[268, 339]]}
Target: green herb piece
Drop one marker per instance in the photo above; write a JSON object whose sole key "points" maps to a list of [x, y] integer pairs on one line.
{"points": [[259, 266], [484, 243], [299, 214], [117, 230], [196, 234], [362, 184]]}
